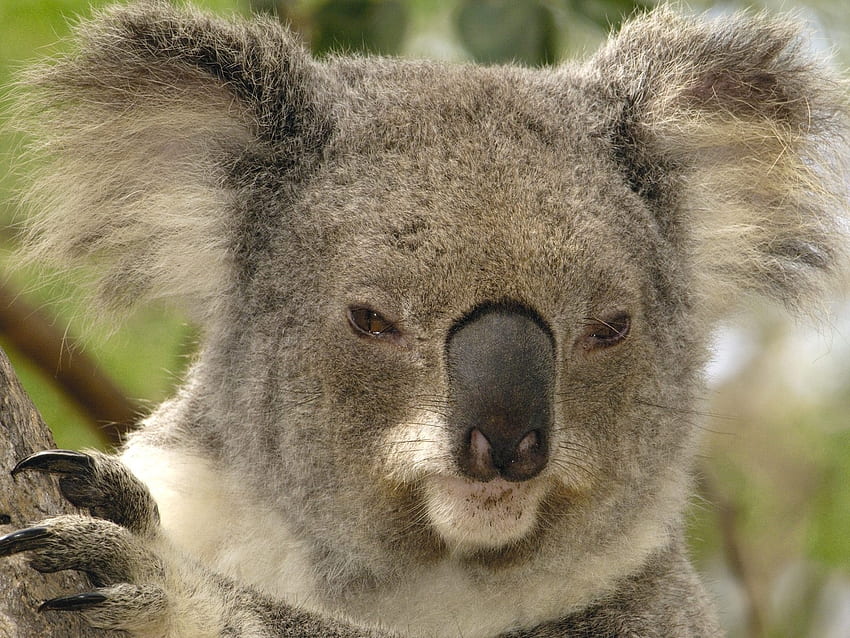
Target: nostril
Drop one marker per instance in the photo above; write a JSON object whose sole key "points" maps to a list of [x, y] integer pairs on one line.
{"points": [[480, 456], [486, 455], [529, 457], [529, 443], [479, 446]]}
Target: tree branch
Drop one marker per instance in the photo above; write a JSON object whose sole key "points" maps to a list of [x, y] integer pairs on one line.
{"points": [[111, 413], [25, 500]]}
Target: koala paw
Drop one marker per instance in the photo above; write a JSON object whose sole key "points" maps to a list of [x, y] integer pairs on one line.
{"points": [[99, 483], [113, 558], [137, 576]]}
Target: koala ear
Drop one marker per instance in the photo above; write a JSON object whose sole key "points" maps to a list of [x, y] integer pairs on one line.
{"points": [[737, 136], [144, 139]]}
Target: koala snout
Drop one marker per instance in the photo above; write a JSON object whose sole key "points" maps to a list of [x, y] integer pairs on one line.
{"points": [[501, 373]]}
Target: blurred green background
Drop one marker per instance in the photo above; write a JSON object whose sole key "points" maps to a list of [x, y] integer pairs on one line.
{"points": [[770, 527]]}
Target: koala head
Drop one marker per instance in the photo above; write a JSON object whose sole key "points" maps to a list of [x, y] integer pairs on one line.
{"points": [[450, 310]]}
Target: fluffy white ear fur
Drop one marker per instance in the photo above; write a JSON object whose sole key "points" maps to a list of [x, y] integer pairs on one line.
{"points": [[139, 188], [754, 129], [135, 132]]}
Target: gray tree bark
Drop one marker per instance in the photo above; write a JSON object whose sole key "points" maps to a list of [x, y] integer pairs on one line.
{"points": [[24, 501]]}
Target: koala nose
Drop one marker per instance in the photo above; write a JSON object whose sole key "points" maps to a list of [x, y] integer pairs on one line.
{"points": [[501, 371]]}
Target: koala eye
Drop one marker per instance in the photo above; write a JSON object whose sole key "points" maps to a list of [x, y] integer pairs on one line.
{"points": [[604, 333], [367, 322]]}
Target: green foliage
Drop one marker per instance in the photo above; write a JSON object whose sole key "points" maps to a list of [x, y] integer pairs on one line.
{"points": [[507, 31], [829, 533], [608, 14], [370, 26]]}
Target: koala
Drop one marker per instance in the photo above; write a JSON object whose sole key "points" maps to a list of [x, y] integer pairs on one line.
{"points": [[455, 317]]}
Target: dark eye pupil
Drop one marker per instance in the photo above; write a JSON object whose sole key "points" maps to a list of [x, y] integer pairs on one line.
{"points": [[369, 322], [375, 323]]}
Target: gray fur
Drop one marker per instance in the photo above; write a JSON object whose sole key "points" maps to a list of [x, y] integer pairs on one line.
{"points": [[688, 162]]}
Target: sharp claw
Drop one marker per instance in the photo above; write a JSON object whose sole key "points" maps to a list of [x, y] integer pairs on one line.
{"points": [[23, 540], [56, 462], [74, 603]]}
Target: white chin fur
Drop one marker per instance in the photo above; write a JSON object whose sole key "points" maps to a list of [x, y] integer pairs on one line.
{"points": [[471, 515]]}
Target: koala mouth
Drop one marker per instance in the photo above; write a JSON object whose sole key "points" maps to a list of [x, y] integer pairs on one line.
{"points": [[473, 515]]}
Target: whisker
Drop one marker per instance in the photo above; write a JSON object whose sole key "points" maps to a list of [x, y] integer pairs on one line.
{"points": [[439, 413], [681, 410], [569, 465], [574, 446], [413, 441]]}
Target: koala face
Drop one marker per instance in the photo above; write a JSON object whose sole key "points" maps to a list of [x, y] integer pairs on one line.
{"points": [[493, 361], [452, 313]]}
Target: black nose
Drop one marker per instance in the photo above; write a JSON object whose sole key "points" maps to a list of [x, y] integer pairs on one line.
{"points": [[501, 370]]}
